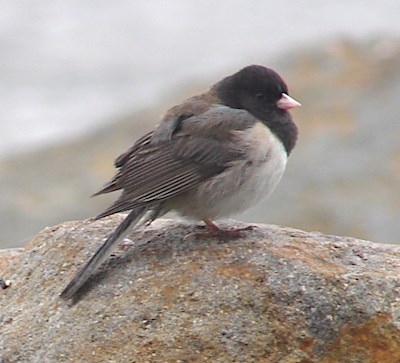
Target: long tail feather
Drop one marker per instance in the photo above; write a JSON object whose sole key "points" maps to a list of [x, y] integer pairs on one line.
{"points": [[104, 251]]}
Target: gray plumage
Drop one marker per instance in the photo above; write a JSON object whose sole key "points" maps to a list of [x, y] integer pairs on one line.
{"points": [[214, 155]]}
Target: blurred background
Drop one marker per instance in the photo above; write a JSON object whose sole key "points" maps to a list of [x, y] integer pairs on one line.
{"points": [[81, 80]]}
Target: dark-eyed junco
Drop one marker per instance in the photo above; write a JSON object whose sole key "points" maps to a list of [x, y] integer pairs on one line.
{"points": [[214, 155]]}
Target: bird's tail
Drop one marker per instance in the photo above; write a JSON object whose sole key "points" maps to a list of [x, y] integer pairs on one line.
{"points": [[104, 251]]}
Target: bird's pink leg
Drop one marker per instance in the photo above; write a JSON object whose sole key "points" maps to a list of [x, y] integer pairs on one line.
{"points": [[215, 231]]}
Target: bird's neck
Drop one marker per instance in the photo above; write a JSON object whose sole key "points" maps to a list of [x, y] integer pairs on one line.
{"points": [[286, 131]]}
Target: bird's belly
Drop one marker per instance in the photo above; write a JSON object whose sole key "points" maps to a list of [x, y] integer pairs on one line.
{"points": [[236, 189]]}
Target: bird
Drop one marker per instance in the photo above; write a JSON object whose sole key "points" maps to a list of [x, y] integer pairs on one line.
{"points": [[214, 155]]}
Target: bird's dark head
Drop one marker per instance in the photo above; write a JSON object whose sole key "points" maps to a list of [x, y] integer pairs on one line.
{"points": [[257, 89], [262, 92]]}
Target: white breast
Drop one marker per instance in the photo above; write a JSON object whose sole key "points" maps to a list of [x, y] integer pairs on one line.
{"points": [[245, 183]]}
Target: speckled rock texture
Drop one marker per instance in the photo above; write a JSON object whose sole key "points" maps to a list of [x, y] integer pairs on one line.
{"points": [[276, 295]]}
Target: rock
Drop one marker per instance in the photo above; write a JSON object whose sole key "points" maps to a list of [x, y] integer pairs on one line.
{"points": [[275, 295], [9, 256]]}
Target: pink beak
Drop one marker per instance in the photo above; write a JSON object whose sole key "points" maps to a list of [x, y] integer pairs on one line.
{"points": [[286, 102]]}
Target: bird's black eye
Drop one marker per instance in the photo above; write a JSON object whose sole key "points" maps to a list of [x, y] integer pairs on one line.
{"points": [[261, 96]]}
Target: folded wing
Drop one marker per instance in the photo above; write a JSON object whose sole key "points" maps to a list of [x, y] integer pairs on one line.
{"points": [[200, 148]]}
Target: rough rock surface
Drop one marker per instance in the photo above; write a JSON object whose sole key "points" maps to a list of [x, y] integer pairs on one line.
{"points": [[275, 295]]}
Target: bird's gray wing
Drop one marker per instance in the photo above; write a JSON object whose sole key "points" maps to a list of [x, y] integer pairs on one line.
{"points": [[162, 133], [202, 147]]}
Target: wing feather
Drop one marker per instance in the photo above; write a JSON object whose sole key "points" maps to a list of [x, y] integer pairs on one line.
{"points": [[151, 173]]}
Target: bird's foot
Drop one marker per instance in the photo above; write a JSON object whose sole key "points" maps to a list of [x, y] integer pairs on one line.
{"points": [[223, 234]]}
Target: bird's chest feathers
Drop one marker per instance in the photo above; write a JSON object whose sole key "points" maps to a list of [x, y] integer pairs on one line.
{"points": [[248, 181], [263, 148], [266, 161], [245, 182]]}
